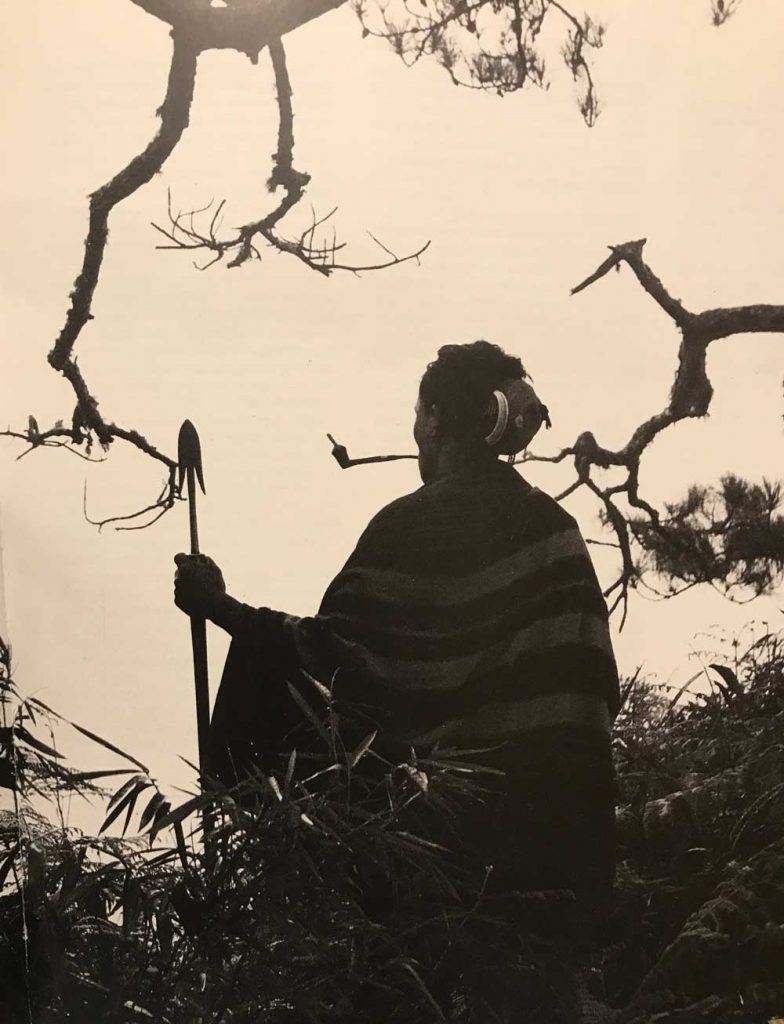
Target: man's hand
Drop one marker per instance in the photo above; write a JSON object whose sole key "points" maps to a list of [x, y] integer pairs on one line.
{"points": [[198, 585]]}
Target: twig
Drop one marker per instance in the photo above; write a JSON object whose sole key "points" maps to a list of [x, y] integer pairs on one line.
{"points": [[165, 501]]}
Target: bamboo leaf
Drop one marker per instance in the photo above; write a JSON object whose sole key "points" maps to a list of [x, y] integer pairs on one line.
{"points": [[680, 692], [124, 790], [309, 713], [109, 746], [149, 812], [290, 769], [323, 690], [272, 782], [27, 737], [86, 732], [89, 776], [729, 678], [123, 804], [134, 797], [179, 814], [162, 811], [409, 967], [362, 749]]}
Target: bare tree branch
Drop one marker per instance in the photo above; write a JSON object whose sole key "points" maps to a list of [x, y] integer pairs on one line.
{"points": [[48, 439], [510, 62], [248, 26], [690, 396], [137, 520], [631, 253], [316, 255], [88, 423], [174, 114]]}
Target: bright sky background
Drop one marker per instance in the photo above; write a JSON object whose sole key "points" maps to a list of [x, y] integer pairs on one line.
{"points": [[519, 199]]}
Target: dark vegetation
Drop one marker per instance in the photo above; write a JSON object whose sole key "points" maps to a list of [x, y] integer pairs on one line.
{"points": [[321, 895]]}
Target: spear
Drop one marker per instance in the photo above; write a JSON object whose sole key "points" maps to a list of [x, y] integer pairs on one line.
{"points": [[189, 463]]}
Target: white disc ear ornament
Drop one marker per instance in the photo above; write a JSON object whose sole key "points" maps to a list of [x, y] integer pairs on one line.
{"points": [[502, 418], [518, 416]]}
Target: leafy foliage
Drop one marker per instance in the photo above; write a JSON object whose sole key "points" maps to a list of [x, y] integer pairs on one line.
{"points": [[701, 832], [332, 889]]}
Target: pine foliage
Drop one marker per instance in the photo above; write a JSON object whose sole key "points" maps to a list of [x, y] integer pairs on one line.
{"points": [[730, 536]]}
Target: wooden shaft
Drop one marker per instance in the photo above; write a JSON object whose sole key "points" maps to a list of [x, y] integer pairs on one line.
{"points": [[201, 680], [199, 642], [192, 510]]}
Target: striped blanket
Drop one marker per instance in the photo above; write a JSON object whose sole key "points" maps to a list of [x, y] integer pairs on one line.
{"points": [[472, 610], [469, 615]]}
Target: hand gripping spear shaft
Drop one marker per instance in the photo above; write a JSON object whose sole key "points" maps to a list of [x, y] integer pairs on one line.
{"points": [[189, 463]]}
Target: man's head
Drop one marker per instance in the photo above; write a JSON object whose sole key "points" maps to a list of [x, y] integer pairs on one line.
{"points": [[474, 403]]}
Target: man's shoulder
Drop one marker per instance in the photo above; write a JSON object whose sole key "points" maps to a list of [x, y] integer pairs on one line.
{"points": [[448, 514], [549, 511], [399, 513]]}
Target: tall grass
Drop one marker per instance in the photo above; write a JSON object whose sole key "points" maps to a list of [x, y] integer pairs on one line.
{"points": [[332, 887]]}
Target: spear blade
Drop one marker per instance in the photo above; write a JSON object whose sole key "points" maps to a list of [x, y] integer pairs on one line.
{"points": [[189, 454]]}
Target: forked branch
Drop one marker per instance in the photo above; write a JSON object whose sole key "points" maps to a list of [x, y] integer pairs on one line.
{"points": [[319, 253], [196, 25], [690, 396]]}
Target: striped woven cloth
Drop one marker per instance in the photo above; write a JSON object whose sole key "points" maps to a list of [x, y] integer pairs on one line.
{"points": [[471, 610], [468, 614]]}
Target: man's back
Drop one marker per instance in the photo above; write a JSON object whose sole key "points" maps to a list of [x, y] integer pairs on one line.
{"points": [[469, 616], [472, 604]]}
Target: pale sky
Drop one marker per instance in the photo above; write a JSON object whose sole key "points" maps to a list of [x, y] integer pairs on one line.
{"points": [[519, 199]]}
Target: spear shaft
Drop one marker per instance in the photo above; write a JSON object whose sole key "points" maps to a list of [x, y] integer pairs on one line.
{"points": [[199, 644], [190, 470]]}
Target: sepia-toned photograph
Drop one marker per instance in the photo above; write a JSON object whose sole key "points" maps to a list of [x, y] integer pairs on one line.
{"points": [[392, 512]]}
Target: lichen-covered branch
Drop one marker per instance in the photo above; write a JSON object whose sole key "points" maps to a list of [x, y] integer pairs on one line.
{"points": [[88, 423], [319, 254], [174, 114], [196, 25]]}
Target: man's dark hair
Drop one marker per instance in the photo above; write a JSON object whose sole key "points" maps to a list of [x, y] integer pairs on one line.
{"points": [[461, 381]]}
